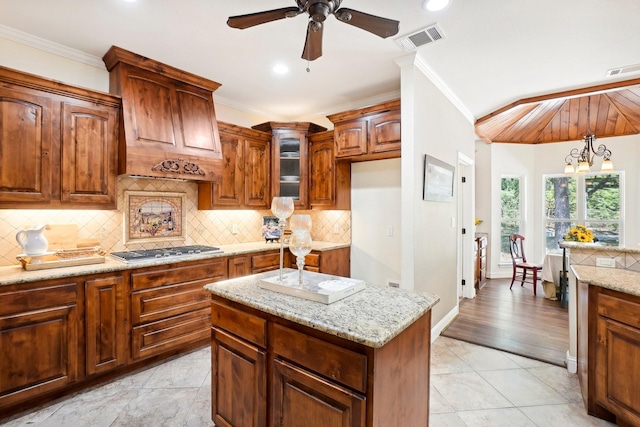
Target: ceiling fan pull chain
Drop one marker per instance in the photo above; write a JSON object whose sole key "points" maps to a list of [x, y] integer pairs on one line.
{"points": [[308, 66]]}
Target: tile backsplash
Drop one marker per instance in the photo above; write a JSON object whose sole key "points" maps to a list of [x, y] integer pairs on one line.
{"points": [[203, 227]]}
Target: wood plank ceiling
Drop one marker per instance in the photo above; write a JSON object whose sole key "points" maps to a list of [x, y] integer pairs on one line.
{"points": [[613, 110]]}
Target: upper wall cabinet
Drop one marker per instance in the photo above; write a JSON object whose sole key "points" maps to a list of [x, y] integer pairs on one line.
{"points": [[245, 172], [370, 133], [289, 159], [329, 181], [58, 144], [170, 127]]}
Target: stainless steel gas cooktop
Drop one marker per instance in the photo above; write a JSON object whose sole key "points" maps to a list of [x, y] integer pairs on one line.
{"points": [[177, 252]]}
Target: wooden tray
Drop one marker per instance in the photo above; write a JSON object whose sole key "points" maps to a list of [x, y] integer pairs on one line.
{"points": [[60, 259]]}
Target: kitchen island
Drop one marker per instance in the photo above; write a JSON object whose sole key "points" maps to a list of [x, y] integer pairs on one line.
{"points": [[279, 359], [606, 303]]}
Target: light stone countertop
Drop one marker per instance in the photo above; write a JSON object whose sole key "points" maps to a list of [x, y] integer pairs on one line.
{"points": [[15, 274], [616, 279], [597, 247], [371, 317]]}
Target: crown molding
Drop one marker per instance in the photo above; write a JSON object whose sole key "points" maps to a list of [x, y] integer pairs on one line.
{"points": [[49, 46], [421, 64]]}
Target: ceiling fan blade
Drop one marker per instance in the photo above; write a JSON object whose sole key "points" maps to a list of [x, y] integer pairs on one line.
{"points": [[252, 19], [382, 27], [313, 44]]}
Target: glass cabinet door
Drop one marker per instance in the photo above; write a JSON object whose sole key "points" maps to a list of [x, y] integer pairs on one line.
{"points": [[290, 168]]}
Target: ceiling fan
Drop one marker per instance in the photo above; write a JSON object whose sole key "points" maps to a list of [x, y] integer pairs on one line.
{"points": [[318, 11]]}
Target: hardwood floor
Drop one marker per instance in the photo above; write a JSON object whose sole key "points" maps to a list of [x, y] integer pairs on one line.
{"points": [[514, 321]]}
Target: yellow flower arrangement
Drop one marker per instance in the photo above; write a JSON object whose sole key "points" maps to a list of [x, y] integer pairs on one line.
{"points": [[478, 221], [580, 233]]}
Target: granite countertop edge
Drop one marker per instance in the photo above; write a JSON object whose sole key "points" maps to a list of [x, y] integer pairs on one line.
{"points": [[597, 247], [15, 274], [616, 279], [372, 317]]}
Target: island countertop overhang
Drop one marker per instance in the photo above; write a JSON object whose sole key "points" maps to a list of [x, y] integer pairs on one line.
{"points": [[372, 317]]}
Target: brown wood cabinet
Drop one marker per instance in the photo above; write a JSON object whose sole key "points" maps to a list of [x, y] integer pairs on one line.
{"points": [[239, 266], [245, 172], [289, 159], [481, 243], [269, 371], [39, 340], [58, 144], [329, 181], [168, 306], [106, 321], [170, 127], [370, 133], [334, 261], [609, 353]]}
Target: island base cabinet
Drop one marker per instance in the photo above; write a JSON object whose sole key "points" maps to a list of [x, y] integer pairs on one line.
{"points": [[240, 390], [301, 398]]}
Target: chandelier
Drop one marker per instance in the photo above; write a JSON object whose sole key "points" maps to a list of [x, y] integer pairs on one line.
{"points": [[587, 154]]}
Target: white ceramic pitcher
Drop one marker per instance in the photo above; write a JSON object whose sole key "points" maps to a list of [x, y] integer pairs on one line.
{"points": [[33, 242]]}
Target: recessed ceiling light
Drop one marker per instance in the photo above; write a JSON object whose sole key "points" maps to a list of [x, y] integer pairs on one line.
{"points": [[435, 5], [280, 69]]}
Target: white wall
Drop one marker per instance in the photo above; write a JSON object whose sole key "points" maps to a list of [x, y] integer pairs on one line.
{"points": [[532, 162], [375, 210], [432, 123]]}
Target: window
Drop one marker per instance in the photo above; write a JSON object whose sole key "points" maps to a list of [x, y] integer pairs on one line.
{"points": [[594, 200], [511, 213]]}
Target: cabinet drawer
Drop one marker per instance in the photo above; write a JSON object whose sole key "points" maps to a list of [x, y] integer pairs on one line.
{"points": [[340, 365], [156, 304], [211, 271], [627, 312], [247, 326], [265, 262], [173, 333], [38, 298]]}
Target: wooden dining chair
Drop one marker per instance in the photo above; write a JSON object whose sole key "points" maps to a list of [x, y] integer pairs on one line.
{"points": [[516, 247]]}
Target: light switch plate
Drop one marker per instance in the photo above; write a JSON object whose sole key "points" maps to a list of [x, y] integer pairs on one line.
{"points": [[606, 262]]}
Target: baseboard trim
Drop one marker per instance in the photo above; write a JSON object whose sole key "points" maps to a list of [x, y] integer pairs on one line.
{"points": [[437, 329], [572, 363]]}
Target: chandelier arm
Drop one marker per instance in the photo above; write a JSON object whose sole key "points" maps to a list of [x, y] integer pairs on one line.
{"points": [[602, 151]]}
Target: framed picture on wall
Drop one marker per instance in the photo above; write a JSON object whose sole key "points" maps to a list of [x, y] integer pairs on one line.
{"points": [[438, 180]]}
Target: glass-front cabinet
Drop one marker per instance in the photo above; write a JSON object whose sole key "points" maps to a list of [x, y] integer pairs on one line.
{"points": [[290, 160]]}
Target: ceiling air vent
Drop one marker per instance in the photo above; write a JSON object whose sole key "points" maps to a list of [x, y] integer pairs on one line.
{"points": [[623, 70], [425, 36]]}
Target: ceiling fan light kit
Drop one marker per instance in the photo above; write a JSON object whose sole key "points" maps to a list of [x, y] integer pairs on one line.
{"points": [[318, 11]]}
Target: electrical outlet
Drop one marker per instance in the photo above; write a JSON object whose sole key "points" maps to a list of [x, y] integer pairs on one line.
{"points": [[393, 284], [390, 231], [336, 229], [606, 262], [234, 229]]}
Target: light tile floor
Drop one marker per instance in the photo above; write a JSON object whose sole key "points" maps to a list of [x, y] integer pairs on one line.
{"points": [[471, 386]]}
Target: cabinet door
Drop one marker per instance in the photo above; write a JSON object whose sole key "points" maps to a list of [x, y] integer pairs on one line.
{"points": [[322, 178], [384, 132], [301, 398], [229, 192], [25, 146], [196, 121], [239, 386], [239, 266], [616, 368], [256, 177], [89, 154], [290, 176], [351, 138], [39, 344], [105, 324]]}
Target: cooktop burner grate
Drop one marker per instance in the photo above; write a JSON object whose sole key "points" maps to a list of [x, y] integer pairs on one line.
{"points": [[176, 252]]}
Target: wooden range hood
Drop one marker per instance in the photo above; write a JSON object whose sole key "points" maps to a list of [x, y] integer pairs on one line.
{"points": [[614, 111], [168, 127]]}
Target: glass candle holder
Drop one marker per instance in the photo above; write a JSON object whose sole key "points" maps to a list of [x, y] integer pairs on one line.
{"points": [[300, 246], [300, 222], [282, 208]]}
